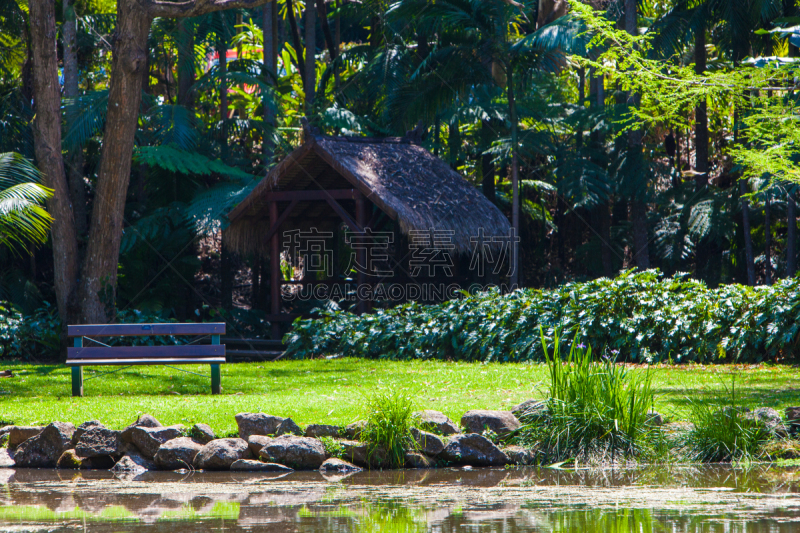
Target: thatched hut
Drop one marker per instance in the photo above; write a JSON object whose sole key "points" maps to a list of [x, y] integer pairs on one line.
{"points": [[368, 183]]}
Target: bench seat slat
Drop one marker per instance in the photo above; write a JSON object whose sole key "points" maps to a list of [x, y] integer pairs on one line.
{"points": [[121, 330], [142, 352], [126, 362]]}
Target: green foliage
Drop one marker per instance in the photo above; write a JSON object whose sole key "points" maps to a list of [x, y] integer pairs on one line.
{"points": [[388, 430], [722, 432], [23, 219], [333, 447], [29, 338], [645, 316], [595, 410], [176, 160]]}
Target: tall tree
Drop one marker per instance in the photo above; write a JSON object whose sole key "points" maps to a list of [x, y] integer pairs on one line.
{"points": [[98, 275], [47, 143], [310, 75]]}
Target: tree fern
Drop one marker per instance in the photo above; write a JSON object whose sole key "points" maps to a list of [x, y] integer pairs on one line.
{"points": [[176, 160]]}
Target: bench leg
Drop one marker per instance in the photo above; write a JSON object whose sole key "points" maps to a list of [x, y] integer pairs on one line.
{"points": [[77, 381], [216, 380]]}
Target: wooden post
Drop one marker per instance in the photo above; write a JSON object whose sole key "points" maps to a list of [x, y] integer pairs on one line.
{"points": [[216, 378], [361, 220], [77, 372], [275, 273]]}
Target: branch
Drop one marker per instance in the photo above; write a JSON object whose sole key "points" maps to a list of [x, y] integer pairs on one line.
{"points": [[193, 8]]}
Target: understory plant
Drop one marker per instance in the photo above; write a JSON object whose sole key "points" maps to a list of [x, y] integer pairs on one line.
{"points": [[646, 316], [388, 430], [596, 410], [722, 430]]}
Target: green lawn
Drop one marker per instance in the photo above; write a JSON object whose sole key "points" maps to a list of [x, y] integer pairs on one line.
{"points": [[334, 391]]}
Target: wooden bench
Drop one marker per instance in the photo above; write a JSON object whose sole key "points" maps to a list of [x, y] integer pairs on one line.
{"points": [[185, 354]]}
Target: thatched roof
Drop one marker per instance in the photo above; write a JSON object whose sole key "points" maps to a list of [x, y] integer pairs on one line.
{"points": [[410, 185]]}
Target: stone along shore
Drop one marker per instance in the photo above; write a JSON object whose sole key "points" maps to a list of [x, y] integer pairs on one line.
{"points": [[265, 443]]}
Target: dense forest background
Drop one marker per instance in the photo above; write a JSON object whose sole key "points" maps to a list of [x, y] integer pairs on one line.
{"points": [[224, 91]]}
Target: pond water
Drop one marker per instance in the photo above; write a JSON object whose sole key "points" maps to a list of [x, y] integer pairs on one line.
{"points": [[674, 500]]}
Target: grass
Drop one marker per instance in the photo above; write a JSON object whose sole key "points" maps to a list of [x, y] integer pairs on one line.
{"points": [[335, 391], [597, 409], [389, 420]]}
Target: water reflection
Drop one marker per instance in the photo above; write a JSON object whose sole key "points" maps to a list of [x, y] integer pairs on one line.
{"points": [[675, 500]]}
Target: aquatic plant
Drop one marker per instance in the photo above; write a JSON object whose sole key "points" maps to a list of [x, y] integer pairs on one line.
{"points": [[596, 410], [388, 430], [722, 432]]}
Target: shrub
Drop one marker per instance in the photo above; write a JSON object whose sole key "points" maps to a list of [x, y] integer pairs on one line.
{"points": [[644, 315], [722, 432], [388, 430], [333, 447], [29, 338], [596, 411]]}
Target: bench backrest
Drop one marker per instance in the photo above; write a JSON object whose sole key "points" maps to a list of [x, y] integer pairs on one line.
{"points": [[129, 330], [145, 353]]}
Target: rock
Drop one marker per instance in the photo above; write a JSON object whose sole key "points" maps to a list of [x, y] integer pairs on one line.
{"points": [[531, 410], [249, 465], [99, 441], [436, 422], [300, 453], [427, 443], [257, 424], [257, 442], [675, 429], [354, 430], [134, 462], [6, 458], [144, 421], [202, 433], [473, 449], [72, 460], [334, 465], [323, 430], [500, 422], [517, 455], [177, 453], [782, 449], [288, 427], [44, 449], [220, 454], [148, 439], [358, 453], [83, 428], [770, 419], [19, 434], [654, 418], [419, 460]]}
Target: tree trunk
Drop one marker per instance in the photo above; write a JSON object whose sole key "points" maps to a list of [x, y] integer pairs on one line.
{"points": [[333, 51], [487, 167], [338, 42], [638, 207], [512, 111], [311, 50], [767, 242], [74, 161], [186, 75], [47, 145], [791, 235], [701, 117], [99, 274], [298, 45], [748, 239], [222, 51], [270, 25]]}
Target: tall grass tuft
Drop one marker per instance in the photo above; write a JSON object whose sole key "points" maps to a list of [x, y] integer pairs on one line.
{"points": [[388, 430], [722, 432], [598, 410]]}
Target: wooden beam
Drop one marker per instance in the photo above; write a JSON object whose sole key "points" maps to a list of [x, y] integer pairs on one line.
{"points": [[361, 216], [310, 195], [358, 228], [274, 274], [281, 219]]}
